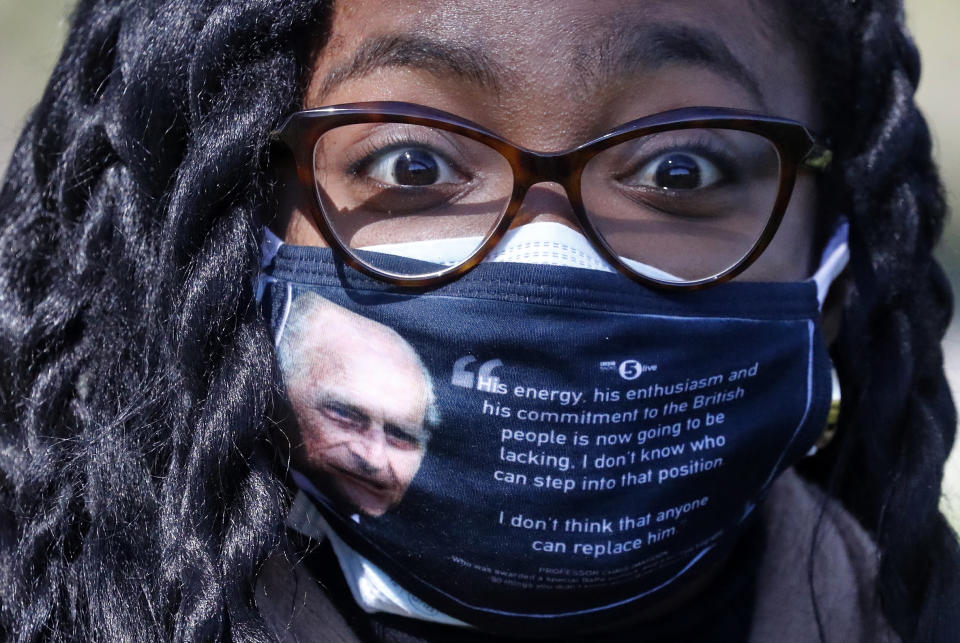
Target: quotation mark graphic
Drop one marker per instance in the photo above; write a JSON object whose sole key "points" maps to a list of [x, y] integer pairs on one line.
{"points": [[484, 380]]}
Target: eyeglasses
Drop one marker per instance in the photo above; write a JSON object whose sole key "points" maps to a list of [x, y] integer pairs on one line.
{"points": [[677, 200]]}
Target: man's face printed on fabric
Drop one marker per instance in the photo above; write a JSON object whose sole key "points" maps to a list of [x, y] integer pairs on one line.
{"points": [[361, 399]]}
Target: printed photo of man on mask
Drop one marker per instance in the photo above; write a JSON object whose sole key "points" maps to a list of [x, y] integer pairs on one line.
{"points": [[363, 403]]}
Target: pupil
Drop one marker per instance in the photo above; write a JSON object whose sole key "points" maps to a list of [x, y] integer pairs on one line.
{"points": [[678, 172], [416, 167]]}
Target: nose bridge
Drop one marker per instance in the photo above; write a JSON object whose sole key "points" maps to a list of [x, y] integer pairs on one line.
{"points": [[547, 168], [547, 191]]}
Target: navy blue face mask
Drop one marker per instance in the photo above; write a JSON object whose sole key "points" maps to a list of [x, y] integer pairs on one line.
{"points": [[538, 446]]}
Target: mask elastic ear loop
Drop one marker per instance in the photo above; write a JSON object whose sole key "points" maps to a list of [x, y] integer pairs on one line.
{"points": [[833, 261], [285, 315], [269, 247]]}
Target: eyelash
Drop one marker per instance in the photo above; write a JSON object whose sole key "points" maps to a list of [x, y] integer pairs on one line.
{"points": [[369, 150], [702, 145]]}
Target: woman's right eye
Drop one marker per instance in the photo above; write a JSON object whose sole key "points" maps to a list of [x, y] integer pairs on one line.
{"points": [[679, 170], [410, 166]]}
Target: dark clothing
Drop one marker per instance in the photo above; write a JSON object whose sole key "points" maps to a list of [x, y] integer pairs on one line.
{"points": [[762, 594]]}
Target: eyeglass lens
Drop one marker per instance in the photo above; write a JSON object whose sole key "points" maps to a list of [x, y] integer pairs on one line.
{"points": [[676, 206]]}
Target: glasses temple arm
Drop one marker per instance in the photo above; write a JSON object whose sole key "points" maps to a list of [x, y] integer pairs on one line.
{"points": [[818, 158]]}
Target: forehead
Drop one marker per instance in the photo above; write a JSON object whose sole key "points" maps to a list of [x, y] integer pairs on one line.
{"points": [[532, 57], [346, 344], [358, 362], [519, 27]]}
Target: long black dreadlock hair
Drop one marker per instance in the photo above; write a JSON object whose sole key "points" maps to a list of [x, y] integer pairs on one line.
{"points": [[138, 487]]}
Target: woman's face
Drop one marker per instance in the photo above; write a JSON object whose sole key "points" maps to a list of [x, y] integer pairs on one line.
{"points": [[550, 74]]}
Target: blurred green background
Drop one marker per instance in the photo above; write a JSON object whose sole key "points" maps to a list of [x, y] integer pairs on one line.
{"points": [[31, 33]]}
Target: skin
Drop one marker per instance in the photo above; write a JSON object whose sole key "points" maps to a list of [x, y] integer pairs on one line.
{"points": [[360, 398], [583, 88]]}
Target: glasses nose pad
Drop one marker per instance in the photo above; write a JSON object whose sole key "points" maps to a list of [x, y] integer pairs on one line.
{"points": [[547, 202]]}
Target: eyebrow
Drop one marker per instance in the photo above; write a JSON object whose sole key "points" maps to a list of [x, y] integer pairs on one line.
{"points": [[626, 49], [418, 52], [653, 46]]}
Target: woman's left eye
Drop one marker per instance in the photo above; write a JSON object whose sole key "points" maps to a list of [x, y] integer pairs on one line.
{"points": [[678, 171], [411, 167]]}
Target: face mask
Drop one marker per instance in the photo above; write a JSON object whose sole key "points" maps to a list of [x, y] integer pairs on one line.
{"points": [[539, 446], [544, 243]]}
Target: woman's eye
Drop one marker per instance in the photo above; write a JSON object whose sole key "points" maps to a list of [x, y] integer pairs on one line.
{"points": [[411, 167], [678, 171]]}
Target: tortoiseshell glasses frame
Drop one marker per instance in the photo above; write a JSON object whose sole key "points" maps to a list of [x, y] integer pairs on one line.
{"points": [[794, 145]]}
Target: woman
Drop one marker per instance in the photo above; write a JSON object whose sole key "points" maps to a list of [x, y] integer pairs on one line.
{"points": [[144, 470]]}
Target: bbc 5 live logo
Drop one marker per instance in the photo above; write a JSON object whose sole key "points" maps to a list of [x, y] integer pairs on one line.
{"points": [[628, 369]]}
